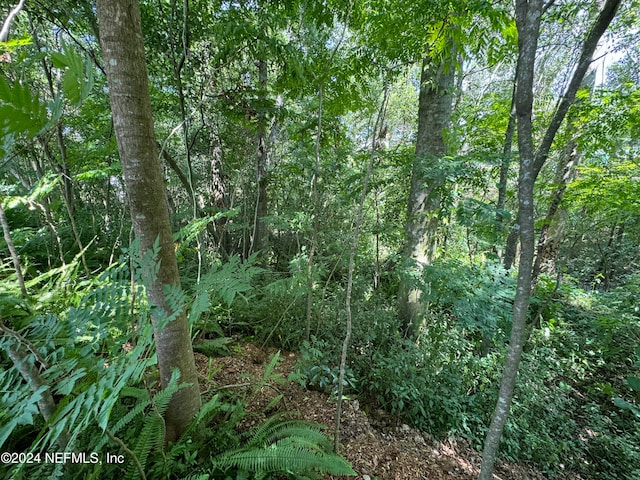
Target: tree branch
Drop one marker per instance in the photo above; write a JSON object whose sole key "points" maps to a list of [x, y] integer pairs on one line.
{"points": [[591, 43], [4, 33]]}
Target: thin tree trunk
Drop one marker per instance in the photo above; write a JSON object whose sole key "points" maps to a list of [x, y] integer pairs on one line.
{"points": [[260, 226], [434, 115], [506, 157], [584, 62], [313, 243], [64, 173], [565, 170], [4, 32], [219, 196], [68, 208], [46, 211], [17, 353], [123, 51], [178, 66], [528, 16], [511, 247], [352, 259], [46, 404], [12, 250], [504, 177]]}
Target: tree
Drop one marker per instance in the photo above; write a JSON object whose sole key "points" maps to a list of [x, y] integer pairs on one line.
{"points": [[434, 116], [123, 51], [528, 18], [445, 45]]}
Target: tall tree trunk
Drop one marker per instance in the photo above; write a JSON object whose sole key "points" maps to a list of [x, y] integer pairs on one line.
{"points": [[506, 157], [123, 50], [62, 166], [528, 15], [315, 224], [434, 115], [504, 173], [17, 353], [46, 403], [6, 24], [260, 227], [219, 196], [352, 262]]}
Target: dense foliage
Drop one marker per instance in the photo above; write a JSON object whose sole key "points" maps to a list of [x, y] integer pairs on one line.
{"points": [[265, 117]]}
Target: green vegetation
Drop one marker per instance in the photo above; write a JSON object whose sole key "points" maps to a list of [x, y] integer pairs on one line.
{"points": [[267, 116]]}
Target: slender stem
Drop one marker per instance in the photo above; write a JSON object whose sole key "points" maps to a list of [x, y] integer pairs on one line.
{"points": [[130, 452], [12, 250], [352, 258], [315, 226]]}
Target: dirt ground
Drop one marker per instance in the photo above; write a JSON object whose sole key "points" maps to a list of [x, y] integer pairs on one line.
{"points": [[374, 444]]}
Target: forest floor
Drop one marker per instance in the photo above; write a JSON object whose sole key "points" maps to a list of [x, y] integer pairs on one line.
{"points": [[375, 444]]}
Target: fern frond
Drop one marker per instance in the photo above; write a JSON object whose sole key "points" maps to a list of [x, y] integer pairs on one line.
{"points": [[275, 428], [285, 445], [302, 435], [125, 420], [161, 399], [150, 438], [274, 459], [257, 435], [152, 435]]}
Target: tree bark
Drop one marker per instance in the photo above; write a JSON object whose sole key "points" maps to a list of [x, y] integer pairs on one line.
{"points": [[4, 32], [434, 115], [123, 50], [509, 253], [12, 250], [506, 158], [315, 224], [565, 171], [46, 404], [352, 261], [528, 16], [548, 241], [260, 226], [584, 62]]}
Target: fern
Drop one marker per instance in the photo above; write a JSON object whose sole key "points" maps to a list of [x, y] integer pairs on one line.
{"points": [[152, 435], [21, 109], [277, 459], [232, 278], [277, 427], [77, 77], [207, 410], [282, 446]]}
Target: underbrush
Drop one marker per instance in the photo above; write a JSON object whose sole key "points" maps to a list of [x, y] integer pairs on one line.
{"points": [[90, 344], [574, 409]]}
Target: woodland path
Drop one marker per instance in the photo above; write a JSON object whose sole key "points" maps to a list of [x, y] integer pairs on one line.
{"points": [[375, 444]]}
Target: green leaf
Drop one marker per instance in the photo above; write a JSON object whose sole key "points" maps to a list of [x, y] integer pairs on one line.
{"points": [[21, 110], [14, 44], [78, 78], [620, 403], [634, 383]]}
